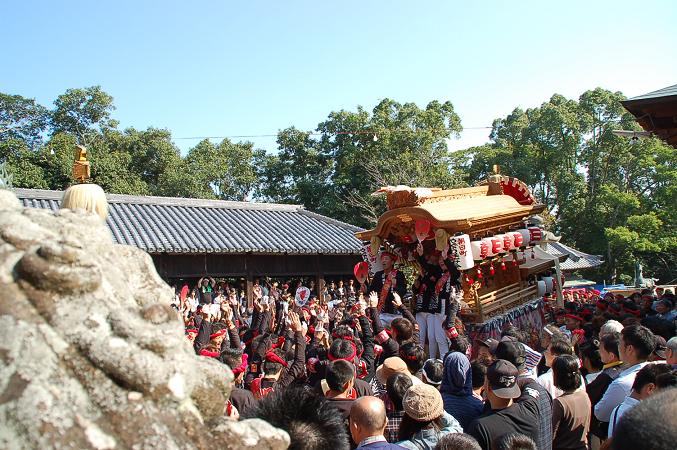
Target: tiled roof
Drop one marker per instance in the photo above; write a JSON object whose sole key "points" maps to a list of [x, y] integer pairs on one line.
{"points": [[665, 92], [577, 260], [183, 225]]}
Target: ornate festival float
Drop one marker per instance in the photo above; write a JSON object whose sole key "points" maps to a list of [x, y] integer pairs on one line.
{"points": [[490, 234]]}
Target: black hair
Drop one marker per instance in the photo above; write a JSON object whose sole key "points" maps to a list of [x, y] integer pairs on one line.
{"points": [[648, 425], [514, 332], [648, 374], [397, 385], [272, 367], [343, 331], [566, 374], [342, 348], [457, 441], [338, 374], [459, 344], [413, 355], [479, 374], [232, 357], [641, 339], [590, 352], [667, 380], [434, 370], [311, 421], [561, 346], [516, 441], [404, 328], [611, 342], [409, 427]]}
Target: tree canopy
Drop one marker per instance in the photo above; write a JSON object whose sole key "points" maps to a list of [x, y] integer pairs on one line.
{"points": [[604, 194]]}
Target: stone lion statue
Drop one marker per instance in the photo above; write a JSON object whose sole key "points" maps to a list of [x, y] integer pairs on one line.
{"points": [[91, 354]]}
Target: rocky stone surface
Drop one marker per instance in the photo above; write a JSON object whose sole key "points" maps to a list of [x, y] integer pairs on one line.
{"points": [[92, 356]]}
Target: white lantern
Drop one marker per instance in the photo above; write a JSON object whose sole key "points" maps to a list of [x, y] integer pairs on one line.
{"points": [[497, 244], [490, 247], [549, 284], [508, 242], [526, 236], [517, 240], [541, 288], [460, 252], [480, 250]]}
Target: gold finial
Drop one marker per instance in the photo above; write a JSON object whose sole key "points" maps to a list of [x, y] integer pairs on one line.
{"points": [[81, 169], [497, 169]]}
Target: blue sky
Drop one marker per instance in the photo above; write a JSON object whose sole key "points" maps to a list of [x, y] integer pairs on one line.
{"points": [[223, 68]]}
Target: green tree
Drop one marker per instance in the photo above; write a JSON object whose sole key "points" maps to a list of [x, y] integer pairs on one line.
{"points": [[22, 119], [355, 153], [81, 111]]}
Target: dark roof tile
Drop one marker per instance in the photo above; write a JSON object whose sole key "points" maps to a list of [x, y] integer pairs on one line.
{"points": [[182, 225]]}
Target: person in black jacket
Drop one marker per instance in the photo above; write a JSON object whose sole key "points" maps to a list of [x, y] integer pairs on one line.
{"points": [[385, 283]]}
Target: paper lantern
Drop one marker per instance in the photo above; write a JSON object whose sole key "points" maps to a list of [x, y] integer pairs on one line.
{"points": [[490, 247], [460, 252], [508, 242], [535, 235], [526, 236], [480, 250], [541, 288], [549, 284], [496, 244], [518, 240]]}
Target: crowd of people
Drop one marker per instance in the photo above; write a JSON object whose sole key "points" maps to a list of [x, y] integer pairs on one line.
{"points": [[387, 366]]}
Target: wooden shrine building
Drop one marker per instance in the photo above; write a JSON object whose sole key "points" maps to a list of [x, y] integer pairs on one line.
{"points": [[190, 238]]}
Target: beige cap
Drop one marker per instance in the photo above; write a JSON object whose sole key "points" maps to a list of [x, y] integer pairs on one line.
{"points": [[390, 367], [423, 403]]}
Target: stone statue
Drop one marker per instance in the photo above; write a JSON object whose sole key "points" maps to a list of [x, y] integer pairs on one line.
{"points": [[91, 354]]}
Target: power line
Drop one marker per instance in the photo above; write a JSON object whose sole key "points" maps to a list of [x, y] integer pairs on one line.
{"points": [[317, 133]]}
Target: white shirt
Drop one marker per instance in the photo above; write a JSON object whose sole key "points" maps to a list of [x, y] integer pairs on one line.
{"points": [[589, 378], [546, 380], [616, 392], [618, 412]]}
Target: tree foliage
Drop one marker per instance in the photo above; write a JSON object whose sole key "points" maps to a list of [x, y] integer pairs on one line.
{"points": [[604, 194]]}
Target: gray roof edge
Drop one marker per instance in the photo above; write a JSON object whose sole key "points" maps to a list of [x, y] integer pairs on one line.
{"points": [[331, 221], [669, 91], [166, 201]]}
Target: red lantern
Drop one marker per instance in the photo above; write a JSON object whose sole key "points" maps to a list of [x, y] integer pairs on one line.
{"points": [[518, 240], [535, 234], [503, 265], [492, 271], [479, 273], [508, 242], [496, 245]]}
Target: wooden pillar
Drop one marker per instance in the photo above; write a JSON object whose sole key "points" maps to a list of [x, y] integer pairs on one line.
{"points": [[249, 279]]}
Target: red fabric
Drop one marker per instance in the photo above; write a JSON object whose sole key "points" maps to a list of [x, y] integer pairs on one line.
{"points": [[350, 358], [209, 354], [219, 333], [574, 316], [272, 357], [242, 367]]}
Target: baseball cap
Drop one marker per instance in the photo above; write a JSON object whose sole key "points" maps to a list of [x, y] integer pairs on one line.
{"points": [[661, 346], [489, 343], [511, 350], [502, 378]]}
